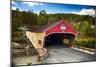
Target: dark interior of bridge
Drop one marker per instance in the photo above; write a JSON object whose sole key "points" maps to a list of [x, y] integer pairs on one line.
{"points": [[56, 40]]}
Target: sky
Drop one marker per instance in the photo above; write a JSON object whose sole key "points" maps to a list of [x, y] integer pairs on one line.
{"points": [[52, 8]]}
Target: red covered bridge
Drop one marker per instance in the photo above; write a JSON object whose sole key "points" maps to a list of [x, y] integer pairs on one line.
{"points": [[57, 32]]}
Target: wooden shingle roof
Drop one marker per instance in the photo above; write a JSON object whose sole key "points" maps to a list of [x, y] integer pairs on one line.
{"points": [[42, 28], [54, 27]]}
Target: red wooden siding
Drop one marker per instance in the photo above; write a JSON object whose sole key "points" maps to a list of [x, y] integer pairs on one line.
{"points": [[57, 29]]}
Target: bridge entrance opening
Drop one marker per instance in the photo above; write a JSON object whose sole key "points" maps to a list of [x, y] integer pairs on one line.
{"points": [[59, 40]]}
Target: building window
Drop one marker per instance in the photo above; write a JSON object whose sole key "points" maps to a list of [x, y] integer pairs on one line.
{"points": [[63, 27], [39, 42]]}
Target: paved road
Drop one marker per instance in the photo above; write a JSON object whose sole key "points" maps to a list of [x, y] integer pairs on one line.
{"points": [[61, 55]]}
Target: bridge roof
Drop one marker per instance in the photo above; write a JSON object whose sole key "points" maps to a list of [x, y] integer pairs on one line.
{"points": [[55, 27]]}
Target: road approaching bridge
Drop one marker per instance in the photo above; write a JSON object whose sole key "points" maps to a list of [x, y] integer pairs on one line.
{"points": [[62, 55]]}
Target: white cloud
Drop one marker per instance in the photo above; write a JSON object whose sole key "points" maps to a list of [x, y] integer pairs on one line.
{"points": [[21, 10], [13, 8], [32, 3], [84, 11], [13, 2]]}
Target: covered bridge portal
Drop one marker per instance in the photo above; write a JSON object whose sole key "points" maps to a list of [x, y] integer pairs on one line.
{"points": [[58, 32]]}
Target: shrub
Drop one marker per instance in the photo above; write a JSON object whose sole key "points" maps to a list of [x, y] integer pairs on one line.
{"points": [[19, 37], [87, 42]]}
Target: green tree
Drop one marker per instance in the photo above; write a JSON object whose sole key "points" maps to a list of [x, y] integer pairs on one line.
{"points": [[42, 18], [85, 28]]}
